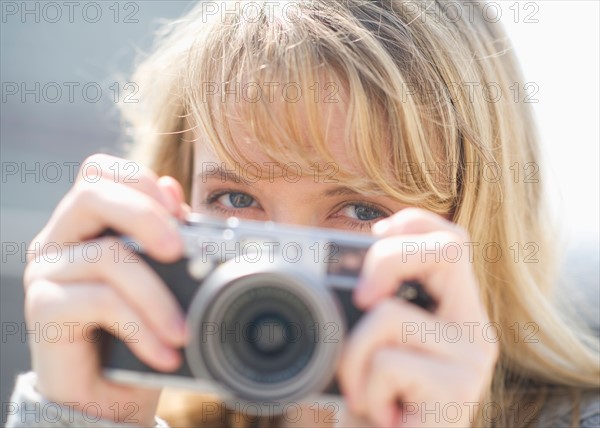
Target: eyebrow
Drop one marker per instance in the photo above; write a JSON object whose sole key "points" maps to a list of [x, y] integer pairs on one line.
{"points": [[224, 175], [340, 191]]}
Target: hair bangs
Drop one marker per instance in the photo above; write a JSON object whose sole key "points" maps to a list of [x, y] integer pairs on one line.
{"points": [[278, 83]]}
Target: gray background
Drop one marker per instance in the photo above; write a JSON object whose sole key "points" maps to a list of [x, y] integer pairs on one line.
{"points": [[44, 132]]}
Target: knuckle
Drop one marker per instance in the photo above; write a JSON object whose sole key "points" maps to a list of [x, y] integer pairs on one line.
{"points": [[131, 172], [381, 250], [413, 216], [82, 193], [32, 248], [413, 213], [126, 171], [145, 174], [96, 158], [106, 298], [94, 163], [30, 274], [447, 237], [407, 217], [41, 302]]}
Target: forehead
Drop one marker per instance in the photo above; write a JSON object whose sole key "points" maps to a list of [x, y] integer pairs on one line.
{"points": [[285, 112]]}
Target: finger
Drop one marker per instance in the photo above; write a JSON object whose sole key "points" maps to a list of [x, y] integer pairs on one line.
{"points": [[89, 209], [172, 191], [414, 221], [405, 389], [347, 419], [115, 264], [396, 376], [92, 304], [382, 392], [393, 322], [101, 166], [449, 281]]}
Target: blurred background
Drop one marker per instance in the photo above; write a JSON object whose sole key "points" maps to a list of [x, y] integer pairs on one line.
{"points": [[50, 138], [46, 134]]}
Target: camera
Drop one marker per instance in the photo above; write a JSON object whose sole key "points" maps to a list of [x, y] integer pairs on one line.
{"points": [[267, 305]]}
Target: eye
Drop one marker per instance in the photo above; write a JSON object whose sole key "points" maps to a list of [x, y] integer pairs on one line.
{"points": [[235, 200], [362, 212]]}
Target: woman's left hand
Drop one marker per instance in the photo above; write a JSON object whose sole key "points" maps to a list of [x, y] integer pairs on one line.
{"points": [[402, 365]]}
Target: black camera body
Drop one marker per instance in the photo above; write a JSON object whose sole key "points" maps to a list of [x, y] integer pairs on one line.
{"points": [[268, 307]]}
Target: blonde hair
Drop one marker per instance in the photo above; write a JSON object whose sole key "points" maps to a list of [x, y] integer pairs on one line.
{"points": [[406, 71]]}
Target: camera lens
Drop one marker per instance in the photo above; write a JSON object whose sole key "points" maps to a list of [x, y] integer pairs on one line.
{"points": [[267, 334], [263, 333]]}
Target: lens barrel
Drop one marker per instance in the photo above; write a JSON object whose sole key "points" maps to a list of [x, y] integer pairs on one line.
{"points": [[264, 333]]}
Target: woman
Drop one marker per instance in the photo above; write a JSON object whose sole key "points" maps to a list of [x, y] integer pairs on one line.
{"points": [[380, 109]]}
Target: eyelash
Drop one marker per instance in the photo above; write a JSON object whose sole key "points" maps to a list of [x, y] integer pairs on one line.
{"points": [[213, 197], [362, 225], [211, 200]]}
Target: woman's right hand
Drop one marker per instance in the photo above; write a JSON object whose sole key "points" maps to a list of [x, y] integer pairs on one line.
{"points": [[71, 284]]}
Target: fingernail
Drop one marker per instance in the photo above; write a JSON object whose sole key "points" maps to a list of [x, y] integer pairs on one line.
{"points": [[170, 201], [168, 355]]}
